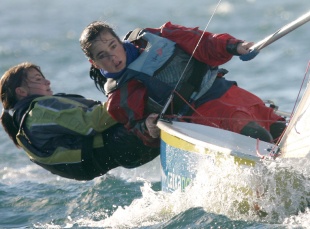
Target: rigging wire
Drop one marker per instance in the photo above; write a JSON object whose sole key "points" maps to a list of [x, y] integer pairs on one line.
{"points": [[299, 92], [275, 154], [182, 75], [191, 57]]}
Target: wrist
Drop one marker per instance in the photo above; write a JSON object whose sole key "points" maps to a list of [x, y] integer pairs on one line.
{"points": [[232, 47]]}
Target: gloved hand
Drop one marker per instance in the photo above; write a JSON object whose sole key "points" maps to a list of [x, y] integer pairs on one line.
{"points": [[150, 123], [245, 51], [244, 47]]}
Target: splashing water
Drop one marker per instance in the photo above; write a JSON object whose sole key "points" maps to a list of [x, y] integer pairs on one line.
{"points": [[230, 190]]}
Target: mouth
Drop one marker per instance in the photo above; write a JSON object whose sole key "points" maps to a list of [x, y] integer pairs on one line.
{"points": [[119, 65]]}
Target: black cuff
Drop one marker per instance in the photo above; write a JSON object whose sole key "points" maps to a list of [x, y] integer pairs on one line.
{"points": [[232, 48]]}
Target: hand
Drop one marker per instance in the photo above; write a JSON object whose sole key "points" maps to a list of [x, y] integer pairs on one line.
{"points": [[244, 47], [245, 51], [150, 123]]}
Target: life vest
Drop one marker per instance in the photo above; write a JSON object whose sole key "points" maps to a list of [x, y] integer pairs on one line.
{"points": [[77, 163], [160, 68]]}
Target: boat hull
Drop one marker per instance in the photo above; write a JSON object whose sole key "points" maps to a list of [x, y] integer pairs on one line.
{"points": [[185, 145]]}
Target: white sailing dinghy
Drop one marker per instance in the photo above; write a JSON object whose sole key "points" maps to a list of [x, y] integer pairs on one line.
{"points": [[185, 145]]}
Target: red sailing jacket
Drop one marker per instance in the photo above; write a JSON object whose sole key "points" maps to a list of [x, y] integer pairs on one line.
{"points": [[127, 104], [212, 48]]}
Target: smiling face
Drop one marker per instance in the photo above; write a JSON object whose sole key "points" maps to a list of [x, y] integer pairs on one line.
{"points": [[34, 84], [108, 53]]}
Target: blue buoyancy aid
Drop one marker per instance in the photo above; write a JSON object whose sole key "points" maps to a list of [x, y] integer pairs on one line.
{"points": [[163, 67]]}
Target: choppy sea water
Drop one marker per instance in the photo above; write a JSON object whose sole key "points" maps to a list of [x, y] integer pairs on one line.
{"points": [[47, 33]]}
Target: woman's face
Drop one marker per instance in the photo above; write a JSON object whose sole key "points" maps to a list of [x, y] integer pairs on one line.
{"points": [[36, 84], [108, 53]]}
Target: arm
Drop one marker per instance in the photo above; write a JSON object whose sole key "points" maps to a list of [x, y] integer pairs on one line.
{"points": [[147, 131], [213, 49], [128, 102], [127, 105], [56, 115]]}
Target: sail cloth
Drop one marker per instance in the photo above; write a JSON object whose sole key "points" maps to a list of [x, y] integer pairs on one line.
{"points": [[295, 142]]}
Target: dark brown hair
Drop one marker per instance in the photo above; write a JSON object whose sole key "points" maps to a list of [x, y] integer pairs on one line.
{"points": [[88, 36], [91, 33], [12, 79]]}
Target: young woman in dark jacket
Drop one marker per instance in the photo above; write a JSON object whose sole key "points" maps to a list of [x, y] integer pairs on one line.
{"points": [[69, 135]]}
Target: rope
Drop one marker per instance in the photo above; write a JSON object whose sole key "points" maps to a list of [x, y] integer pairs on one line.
{"points": [[257, 150], [201, 116]]}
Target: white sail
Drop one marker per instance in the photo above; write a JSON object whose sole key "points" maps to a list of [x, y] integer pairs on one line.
{"points": [[296, 139]]}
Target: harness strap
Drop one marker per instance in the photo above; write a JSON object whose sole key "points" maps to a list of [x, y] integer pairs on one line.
{"points": [[188, 87], [90, 164], [199, 71], [87, 154], [133, 35]]}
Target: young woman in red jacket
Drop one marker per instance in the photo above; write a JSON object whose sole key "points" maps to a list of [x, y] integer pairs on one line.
{"points": [[139, 74]]}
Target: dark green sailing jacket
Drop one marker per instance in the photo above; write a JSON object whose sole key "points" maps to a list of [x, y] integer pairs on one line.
{"points": [[61, 132]]}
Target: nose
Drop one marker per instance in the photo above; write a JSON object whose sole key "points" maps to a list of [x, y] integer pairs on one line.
{"points": [[113, 58], [47, 82]]}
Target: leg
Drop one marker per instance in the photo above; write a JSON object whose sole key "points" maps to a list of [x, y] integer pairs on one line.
{"points": [[276, 129], [254, 130]]}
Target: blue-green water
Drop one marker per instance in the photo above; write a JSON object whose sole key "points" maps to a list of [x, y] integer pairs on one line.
{"points": [[47, 33]]}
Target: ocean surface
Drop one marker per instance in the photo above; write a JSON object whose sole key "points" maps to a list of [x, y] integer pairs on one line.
{"points": [[47, 33]]}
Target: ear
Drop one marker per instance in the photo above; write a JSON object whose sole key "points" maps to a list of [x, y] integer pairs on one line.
{"points": [[21, 92], [93, 63]]}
